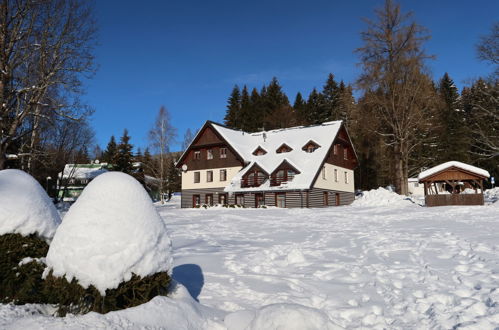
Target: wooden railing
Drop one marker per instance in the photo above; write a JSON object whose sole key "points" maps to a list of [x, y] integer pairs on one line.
{"points": [[454, 199], [277, 180], [252, 182]]}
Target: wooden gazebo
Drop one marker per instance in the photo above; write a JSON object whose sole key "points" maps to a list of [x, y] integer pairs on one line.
{"points": [[453, 183]]}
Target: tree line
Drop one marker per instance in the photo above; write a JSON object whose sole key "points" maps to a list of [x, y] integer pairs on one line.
{"points": [[402, 121]]}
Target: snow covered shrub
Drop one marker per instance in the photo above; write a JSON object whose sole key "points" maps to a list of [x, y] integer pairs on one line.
{"points": [[111, 252], [28, 220], [21, 269]]}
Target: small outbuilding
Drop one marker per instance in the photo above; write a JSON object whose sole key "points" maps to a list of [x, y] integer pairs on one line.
{"points": [[453, 183]]}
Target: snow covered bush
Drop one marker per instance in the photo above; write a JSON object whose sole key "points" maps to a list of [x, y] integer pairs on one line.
{"points": [[381, 197], [28, 220], [112, 251]]}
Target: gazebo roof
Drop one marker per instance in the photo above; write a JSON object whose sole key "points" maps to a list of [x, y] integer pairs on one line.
{"points": [[461, 166]]}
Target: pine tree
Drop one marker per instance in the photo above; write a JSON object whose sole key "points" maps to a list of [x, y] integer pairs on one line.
{"points": [[256, 110], [233, 109], [148, 162], [246, 113], [124, 156], [300, 107], [346, 103], [109, 154], [315, 110], [273, 100], [331, 97], [454, 141]]}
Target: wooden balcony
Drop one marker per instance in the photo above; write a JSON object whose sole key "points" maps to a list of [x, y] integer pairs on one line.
{"points": [[277, 180], [252, 182], [454, 199]]}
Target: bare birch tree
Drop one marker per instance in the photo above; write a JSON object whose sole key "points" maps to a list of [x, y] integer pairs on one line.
{"points": [[161, 136], [45, 50], [394, 78]]}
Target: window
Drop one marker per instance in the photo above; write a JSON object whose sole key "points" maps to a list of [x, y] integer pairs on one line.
{"points": [[239, 199], [223, 175], [209, 199], [209, 176], [345, 153], [326, 198], [311, 148], [223, 153], [336, 175], [324, 172], [196, 200], [209, 154], [222, 199], [197, 154], [280, 200], [284, 148], [335, 149], [197, 176], [259, 151], [346, 177]]}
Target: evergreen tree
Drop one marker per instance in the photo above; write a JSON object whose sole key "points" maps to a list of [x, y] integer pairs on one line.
{"points": [[148, 162], [274, 100], [454, 141], [331, 99], [346, 103], [246, 111], [315, 112], [110, 153], [233, 109], [124, 156], [256, 110], [138, 156], [299, 107]]}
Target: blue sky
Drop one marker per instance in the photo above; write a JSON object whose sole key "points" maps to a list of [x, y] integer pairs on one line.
{"points": [[187, 55]]}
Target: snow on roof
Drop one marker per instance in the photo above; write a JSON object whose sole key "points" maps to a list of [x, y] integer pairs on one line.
{"points": [[444, 166], [25, 207], [111, 232], [295, 137], [82, 171]]}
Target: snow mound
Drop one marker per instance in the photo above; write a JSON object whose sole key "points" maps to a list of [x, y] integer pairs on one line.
{"points": [[381, 197], [280, 316], [112, 231], [492, 195], [25, 207]]}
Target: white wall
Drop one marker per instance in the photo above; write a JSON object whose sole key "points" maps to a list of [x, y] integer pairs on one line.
{"points": [[415, 188], [330, 183], [188, 178]]}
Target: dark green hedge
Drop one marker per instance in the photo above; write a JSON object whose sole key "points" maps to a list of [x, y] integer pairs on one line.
{"points": [[24, 284]]}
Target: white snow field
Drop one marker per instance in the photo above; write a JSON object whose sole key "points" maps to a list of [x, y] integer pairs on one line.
{"points": [[391, 266], [112, 231], [25, 208]]}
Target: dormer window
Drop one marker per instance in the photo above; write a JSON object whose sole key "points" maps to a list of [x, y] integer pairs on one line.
{"points": [[254, 177], [259, 151], [310, 147], [283, 148], [284, 173]]}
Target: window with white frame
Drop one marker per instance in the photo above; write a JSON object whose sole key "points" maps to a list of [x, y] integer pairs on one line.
{"points": [[223, 152], [209, 154], [345, 153], [223, 175], [346, 177], [209, 176], [324, 172], [197, 154], [335, 149], [197, 177], [335, 175]]}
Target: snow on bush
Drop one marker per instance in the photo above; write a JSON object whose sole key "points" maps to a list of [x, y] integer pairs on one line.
{"points": [[279, 316], [25, 207], [492, 195], [111, 232], [381, 197]]}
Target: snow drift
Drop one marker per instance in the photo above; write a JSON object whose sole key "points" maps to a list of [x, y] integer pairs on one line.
{"points": [[112, 231], [25, 207], [381, 197]]}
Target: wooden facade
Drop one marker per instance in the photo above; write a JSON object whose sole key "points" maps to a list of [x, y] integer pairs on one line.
{"points": [[293, 199], [205, 153], [446, 187]]}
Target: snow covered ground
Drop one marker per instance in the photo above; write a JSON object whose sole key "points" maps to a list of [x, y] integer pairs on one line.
{"points": [[396, 266]]}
